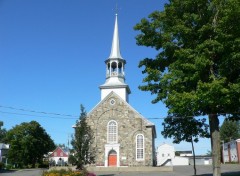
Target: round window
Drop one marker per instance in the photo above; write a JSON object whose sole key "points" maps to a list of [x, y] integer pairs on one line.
{"points": [[112, 101]]}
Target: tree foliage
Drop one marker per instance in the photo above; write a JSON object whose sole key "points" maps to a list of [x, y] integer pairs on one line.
{"points": [[82, 141], [230, 130], [197, 69], [3, 132], [28, 143], [185, 129]]}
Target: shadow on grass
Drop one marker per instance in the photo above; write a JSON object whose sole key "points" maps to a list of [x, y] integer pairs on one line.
{"points": [[106, 175]]}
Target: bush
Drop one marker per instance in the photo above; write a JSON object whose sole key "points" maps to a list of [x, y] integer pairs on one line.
{"points": [[69, 172], [9, 166], [43, 165], [2, 165]]}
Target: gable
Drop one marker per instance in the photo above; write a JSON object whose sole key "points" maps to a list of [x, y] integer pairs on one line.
{"points": [[58, 152], [115, 103]]}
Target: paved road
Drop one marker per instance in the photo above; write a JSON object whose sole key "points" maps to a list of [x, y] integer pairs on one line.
{"points": [[24, 172], [233, 169]]}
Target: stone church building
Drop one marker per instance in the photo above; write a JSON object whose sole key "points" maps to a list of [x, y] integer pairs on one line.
{"points": [[122, 136]]}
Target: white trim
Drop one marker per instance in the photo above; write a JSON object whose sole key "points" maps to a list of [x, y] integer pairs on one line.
{"points": [[108, 148], [112, 142], [143, 143]]}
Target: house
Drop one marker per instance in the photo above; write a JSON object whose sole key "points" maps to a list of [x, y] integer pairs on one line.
{"points": [[122, 136], [3, 152], [59, 157], [166, 156], [231, 151]]}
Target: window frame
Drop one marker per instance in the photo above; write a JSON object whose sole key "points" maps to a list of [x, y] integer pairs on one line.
{"points": [[140, 148], [113, 134]]}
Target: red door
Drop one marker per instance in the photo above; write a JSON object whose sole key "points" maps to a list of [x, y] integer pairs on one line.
{"points": [[112, 158]]}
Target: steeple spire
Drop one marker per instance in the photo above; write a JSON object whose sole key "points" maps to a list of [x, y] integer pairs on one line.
{"points": [[115, 51], [115, 70]]}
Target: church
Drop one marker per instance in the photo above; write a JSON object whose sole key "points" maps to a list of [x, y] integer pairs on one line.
{"points": [[122, 136]]}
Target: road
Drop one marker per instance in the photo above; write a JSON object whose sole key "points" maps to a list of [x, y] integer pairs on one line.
{"points": [[227, 170], [23, 172]]}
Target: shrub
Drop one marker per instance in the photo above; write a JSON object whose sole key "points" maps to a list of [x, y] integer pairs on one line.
{"points": [[9, 166], [2, 165], [69, 172]]}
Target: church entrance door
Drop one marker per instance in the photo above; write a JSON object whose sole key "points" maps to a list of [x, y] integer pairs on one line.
{"points": [[112, 158]]}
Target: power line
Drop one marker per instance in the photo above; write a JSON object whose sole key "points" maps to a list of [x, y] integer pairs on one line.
{"points": [[4, 112], [67, 116], [39, 112]]}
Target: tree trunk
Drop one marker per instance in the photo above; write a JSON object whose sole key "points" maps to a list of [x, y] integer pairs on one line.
{"points": [[215, 143], [194, 162]]}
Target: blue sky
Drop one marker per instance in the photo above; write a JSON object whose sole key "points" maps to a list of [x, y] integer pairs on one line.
{"points": [[52, 55]]}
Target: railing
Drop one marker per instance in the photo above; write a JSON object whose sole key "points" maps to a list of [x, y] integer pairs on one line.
{"points": [[115, 74], [164, 160]]}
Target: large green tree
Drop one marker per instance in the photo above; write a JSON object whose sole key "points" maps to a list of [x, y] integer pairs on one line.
{"points": [[230, 130], [186, 129], [3, 132], [82, 140], [28, 143], [197, 69]]}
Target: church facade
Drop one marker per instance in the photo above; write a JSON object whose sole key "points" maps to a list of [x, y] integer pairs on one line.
{"points": [[122, 136]]}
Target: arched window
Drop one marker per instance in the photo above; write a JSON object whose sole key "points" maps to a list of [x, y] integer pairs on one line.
{"points": [[114, 68], [139, 147], [112, 132]]}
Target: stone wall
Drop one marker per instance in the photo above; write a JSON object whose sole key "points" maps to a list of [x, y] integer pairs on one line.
{"points": [[130, 123]]}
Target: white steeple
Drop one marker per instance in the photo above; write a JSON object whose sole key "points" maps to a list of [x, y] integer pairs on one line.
{"points": [[115, 65], [115, 51]]}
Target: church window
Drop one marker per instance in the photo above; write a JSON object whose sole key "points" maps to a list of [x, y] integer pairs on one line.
{"points": [[112, 132], [140, 147], [112, 101]]}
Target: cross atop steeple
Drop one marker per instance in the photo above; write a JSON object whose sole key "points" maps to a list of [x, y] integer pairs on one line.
{"points": [[116, 9]]}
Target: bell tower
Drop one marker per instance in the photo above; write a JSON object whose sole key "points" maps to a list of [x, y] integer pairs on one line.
{"points": [[115, 70]]}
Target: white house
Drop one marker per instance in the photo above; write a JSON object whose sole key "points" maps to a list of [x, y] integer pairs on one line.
{"points": [[59, 157], [166, 156], [3, 152]]}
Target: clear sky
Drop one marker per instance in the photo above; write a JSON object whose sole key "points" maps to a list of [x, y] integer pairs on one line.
{"points": [[52, 55]]}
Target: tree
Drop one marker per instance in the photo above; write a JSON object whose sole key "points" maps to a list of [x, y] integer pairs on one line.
{"points": [[72, 160], [29, 142], [185, 129], [3, 132], [230, 130], [82, 141], [197, 69]]}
